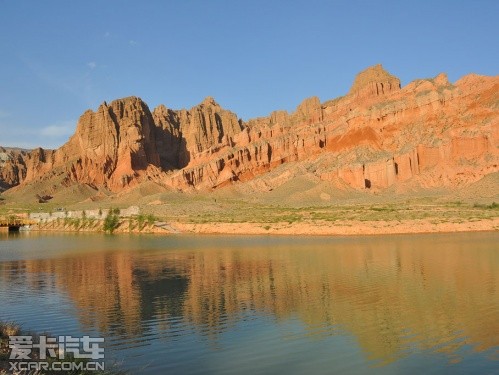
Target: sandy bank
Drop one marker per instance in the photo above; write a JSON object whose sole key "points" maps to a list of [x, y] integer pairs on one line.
{"points": [[338, 228]]}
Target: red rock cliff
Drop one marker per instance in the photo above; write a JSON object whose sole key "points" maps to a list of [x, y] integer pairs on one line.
{"points": [[428, 133]]}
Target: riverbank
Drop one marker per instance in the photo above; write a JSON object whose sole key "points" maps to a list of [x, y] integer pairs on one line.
{"points": [[337, 228], [242, 218], [128, 225]]}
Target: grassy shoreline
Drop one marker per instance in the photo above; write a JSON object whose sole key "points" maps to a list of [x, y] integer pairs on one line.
{"points": [[235, 216], [339, 221]]}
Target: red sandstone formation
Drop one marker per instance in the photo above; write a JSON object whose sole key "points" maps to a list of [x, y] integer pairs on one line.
{"points": [[430, 133]]}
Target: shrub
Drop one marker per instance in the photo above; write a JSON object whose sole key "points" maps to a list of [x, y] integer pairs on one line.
{"points": [[491, 206], [140, 221], [111, 222]]}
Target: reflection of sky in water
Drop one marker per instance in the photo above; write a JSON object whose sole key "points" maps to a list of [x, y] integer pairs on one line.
{"points": [[212, 304]]}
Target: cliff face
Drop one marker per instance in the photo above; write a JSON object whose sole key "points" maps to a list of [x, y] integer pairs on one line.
{"points": [[114, 146], [12, 167], [185, 135], [429, 133], [374, 81]]}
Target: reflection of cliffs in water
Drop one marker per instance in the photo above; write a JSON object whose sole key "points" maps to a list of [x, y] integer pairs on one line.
{"points": [[388, 293], [114, 292]]}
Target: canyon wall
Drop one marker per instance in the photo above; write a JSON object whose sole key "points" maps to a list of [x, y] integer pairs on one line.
{"points": [[430, 133]]}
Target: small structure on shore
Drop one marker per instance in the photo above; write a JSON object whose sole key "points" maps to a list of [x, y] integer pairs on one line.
{"points": [[98, 214], [14, 223]]}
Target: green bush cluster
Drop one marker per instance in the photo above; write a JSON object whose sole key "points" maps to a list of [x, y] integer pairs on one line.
{"points": [[112, 221], [492, 206], [143, 219]]}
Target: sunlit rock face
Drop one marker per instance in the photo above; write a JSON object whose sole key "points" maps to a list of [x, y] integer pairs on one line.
{"points": [[429, 133]]}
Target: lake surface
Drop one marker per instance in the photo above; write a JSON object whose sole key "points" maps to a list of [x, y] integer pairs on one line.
{"points": [[263, 305]]}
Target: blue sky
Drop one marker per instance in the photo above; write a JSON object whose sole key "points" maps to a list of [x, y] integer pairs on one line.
{"points": [[59, 58]]}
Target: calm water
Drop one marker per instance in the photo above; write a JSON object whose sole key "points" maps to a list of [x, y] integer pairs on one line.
{"points": [[263, 305]]}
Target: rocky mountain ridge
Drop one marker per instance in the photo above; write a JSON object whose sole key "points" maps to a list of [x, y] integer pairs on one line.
{"points": [[430, 133]]}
